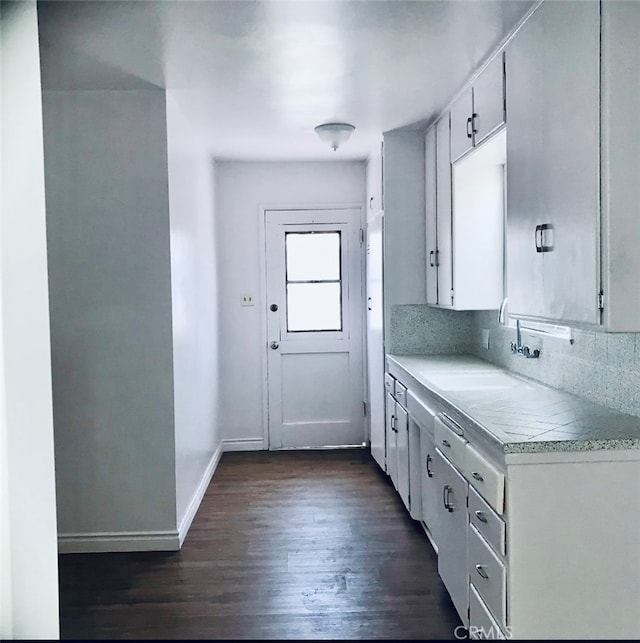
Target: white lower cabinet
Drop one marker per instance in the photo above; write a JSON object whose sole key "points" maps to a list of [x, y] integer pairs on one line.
{"points": [[392, 442], [397, 438], [452, 544], [487, 573], [539, 544], [402, 450], [482, 626], [430, 484]]}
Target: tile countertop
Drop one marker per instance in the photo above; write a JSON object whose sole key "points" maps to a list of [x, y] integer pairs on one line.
{"points": [[518, 415]]}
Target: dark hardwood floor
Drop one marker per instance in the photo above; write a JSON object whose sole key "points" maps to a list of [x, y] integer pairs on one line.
{"points": [[286, 545]]}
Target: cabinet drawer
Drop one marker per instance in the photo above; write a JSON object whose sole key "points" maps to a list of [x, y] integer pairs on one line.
{"points": [[421, 413], [401, 393], [389, 383], [488, 574], [449, 442], [481, 624], [485, 478], [487, 521]]}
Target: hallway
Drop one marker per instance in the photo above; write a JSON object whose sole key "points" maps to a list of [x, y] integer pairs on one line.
{"points": [[286, 545]]}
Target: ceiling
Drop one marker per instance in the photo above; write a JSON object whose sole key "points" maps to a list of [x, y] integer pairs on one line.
{"points": [[256, 76]]}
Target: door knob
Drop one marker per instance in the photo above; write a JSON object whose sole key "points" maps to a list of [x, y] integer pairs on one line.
{"points": [[274, 345]]}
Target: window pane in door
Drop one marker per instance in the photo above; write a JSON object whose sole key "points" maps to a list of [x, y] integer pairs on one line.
{"points": [[314, 307], [313, 256]]}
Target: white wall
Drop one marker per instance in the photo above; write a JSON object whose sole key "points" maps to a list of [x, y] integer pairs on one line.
{"points": [[28, 563], [110, 284], [241, 188], [195, 311]]}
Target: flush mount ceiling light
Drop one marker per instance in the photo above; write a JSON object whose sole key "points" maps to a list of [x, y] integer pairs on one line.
{"points": [[334, 133]]}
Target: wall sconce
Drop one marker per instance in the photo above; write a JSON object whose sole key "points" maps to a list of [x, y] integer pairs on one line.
{"points": [[334, 133]]}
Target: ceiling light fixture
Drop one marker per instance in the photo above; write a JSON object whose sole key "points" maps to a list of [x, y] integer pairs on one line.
{"points": [[334, 133]]}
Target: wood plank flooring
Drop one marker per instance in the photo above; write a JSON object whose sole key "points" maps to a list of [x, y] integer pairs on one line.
{"points": [[286, 545]]}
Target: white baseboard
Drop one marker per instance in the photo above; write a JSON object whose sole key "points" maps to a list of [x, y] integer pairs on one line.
{"points": [[143, 540], [244, 444], [190, 513], [118, 542]]}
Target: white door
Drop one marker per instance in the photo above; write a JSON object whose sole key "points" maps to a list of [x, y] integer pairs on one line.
{"points": [[314, 328], [375, 342]]}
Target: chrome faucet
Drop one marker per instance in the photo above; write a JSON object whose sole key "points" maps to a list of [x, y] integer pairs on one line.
{"points": [[519, 349]]}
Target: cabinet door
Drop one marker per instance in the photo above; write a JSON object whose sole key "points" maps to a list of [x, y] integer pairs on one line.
{"points": [[392, 443], [443, 212], [461, 136], [553, 163], [452, 546], [374, 182], [488, 100], [390, 437], [375, 341], [430, 484], [430, 210], [402, 449]]}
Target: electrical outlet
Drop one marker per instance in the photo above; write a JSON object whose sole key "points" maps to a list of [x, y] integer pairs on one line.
{"points": [[485, 338], [246, 300]]}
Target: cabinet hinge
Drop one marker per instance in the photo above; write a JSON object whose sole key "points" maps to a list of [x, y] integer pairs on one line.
{"points": [[601, 301], [361, 236], [452, 296], [364, 408]]}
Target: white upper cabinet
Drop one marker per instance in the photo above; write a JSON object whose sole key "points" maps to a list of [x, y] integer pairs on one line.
{"points": [[553, 67], [444, 254], [480, 111], [573, 166], [439, 267], [461, 125], [404, 220], [430, 208], [489, 106], [464, 222]]}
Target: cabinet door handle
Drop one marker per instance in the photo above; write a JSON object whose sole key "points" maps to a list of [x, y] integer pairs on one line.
{"points": [[368, 303], [469, 127], [481, 516], [437, 258], [446, 498], [474, 129], [541, 246], [429, 471], [393, 424], [545, 246], [477, 476], [482, 572], [431, 253], [371, 203], [446, 443]]}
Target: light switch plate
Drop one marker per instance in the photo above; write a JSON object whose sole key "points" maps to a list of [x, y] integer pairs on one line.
{"points": [[246, 300], [485, 338]]}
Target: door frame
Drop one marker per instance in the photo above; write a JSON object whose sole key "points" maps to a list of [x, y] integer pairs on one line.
{"points": [[262, 299]]}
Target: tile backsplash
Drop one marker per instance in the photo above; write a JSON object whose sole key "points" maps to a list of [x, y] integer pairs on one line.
{"points": [[602, 367], [423, 330]]}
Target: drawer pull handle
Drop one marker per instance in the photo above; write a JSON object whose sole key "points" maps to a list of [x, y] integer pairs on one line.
{"points": [[477, 476], [429, 471], [481, 572], [481, 517], [446, 443], [446, 498]]}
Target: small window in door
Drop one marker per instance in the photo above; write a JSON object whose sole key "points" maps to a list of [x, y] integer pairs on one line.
{"points": [[314, 281]]}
